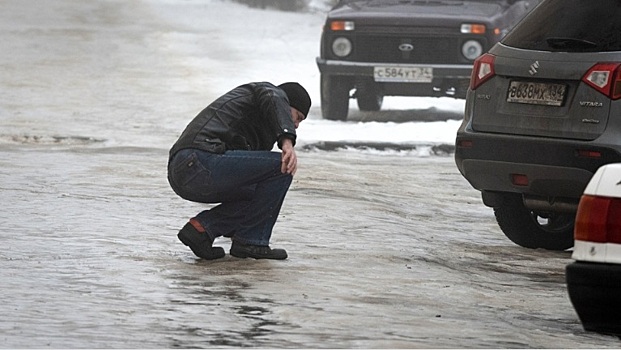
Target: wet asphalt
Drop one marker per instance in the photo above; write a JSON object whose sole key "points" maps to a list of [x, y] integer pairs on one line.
{"points": [[388, 249]]}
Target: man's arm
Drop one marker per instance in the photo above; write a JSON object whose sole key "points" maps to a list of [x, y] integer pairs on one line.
{"points": [[274, 105], [289, 158]]}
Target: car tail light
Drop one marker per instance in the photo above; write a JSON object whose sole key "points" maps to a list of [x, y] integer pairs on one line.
{"points": [[482, 71], [465, 143], [519, 179], [605, 78], [584, 153], [598, 220]]}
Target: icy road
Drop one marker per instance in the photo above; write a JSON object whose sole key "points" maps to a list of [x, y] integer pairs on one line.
{"points": [[388, 249]]}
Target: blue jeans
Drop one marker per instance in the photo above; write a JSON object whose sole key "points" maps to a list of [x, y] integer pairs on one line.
{"points": [[248, 185]]}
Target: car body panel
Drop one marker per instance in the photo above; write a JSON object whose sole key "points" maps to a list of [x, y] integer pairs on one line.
{"points": [[583, 114], [553, 166], [542, 116], [392, 11], [548, 142], [412, 35], [605, 183], [594, 278]]}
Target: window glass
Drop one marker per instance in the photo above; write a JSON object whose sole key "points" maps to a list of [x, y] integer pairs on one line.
{"points": [[570, 26]]}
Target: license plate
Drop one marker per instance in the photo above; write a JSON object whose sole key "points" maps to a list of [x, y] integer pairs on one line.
{"points": [[536, 93], [403, 74]]}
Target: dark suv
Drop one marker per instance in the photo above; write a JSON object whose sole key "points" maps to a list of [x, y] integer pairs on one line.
{"points": [[383, 48], [543, 113]]}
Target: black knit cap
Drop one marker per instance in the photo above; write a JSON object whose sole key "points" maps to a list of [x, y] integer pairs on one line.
{"points": [[298, 96]]}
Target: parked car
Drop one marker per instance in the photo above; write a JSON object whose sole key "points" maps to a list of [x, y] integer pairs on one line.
{"points": [[542, 115], [378, 48], [594, 278]]}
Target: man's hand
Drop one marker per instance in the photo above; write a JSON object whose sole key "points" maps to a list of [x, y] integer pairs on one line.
{"points": [[289, 159]]}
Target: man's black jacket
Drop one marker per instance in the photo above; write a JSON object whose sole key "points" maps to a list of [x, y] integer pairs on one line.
{"points": [[253, 117]]}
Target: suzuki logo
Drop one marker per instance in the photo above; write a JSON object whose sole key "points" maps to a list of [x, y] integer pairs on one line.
{"points": [[405, 47], [533, 68]]}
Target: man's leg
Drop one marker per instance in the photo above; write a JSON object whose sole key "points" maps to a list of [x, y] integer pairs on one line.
{"points": [[261, 213], [250, 187], [187, 177], [252, 238], [250, 223]]}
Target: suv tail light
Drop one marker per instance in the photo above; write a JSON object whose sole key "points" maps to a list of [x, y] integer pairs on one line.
{"points": [[598, 220], [605, 78], [482, 70]]}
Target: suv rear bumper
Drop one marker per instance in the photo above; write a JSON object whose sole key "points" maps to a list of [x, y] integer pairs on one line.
{"points": [[553, 167], [440, 71]]}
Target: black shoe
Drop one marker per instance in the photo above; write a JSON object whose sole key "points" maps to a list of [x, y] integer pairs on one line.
{"points": [[240, 250], [200, 243]]}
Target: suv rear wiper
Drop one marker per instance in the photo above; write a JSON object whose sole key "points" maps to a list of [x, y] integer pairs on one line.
{"points": [[570, 43]]}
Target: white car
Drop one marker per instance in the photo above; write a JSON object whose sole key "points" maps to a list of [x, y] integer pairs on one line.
{"points": [[594, 278]]}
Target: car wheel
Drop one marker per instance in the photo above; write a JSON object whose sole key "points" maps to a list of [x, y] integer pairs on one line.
{"points": [[334, 97], [369, 98], [534, 229]]}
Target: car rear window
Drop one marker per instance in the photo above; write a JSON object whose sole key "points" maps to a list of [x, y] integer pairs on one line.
{"points": [[570, 26]]}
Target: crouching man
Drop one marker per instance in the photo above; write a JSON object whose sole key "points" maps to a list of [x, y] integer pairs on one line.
{"points": [[225, 156]]}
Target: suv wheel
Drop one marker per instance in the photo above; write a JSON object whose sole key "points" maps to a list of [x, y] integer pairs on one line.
{"points": [[532, 228], [334, 97], [369, 97]]}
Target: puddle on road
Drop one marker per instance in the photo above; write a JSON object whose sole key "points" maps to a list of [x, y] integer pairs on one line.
{"points": [[408, 148], [50, 140]]}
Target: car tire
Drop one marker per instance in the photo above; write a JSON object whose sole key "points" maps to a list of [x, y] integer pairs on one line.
{"points": [[334, 97], [534, 229], [369, 97]]}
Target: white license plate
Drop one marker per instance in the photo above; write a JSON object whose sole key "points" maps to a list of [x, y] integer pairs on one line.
{"points": [[403, 74], [536, 93]]}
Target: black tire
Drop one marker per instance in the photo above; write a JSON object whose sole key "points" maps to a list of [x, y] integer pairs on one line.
{"points": [[334, 97], [369, 97], [534, 229]]}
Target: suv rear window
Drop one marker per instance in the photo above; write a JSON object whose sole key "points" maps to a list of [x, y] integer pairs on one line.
{"points": [[570, 26]]}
